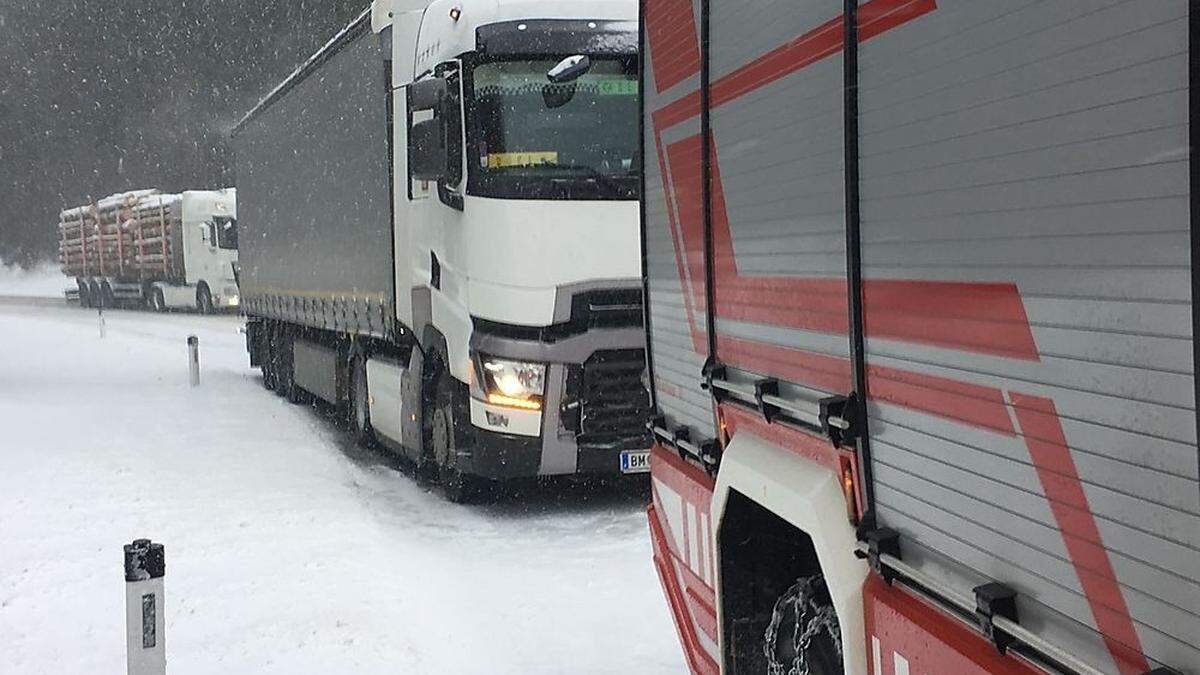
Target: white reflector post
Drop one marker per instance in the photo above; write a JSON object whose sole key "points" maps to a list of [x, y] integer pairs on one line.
{"points": [[193, 343], [145, 643]]}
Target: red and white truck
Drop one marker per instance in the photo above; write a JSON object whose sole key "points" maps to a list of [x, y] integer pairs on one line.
{"points": [[919, 280]]}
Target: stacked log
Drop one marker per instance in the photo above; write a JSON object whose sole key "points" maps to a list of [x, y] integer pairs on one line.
{"points": [[127, 235]]}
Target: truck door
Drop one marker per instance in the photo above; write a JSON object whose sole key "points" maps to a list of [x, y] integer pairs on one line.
{"points": [[1027, 300], [749, 326]]}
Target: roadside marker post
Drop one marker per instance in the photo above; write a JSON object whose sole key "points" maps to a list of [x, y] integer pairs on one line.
{"points": [[145, 639], [193, 360]]}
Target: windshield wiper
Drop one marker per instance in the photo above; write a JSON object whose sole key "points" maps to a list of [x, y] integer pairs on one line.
{"points": [[591, 172]]}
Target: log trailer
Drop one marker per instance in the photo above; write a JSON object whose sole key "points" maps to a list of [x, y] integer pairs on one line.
{"points": [[440, 215], [146, 248], [920, 282]]}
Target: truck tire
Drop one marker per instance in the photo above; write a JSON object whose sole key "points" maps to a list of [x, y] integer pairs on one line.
{"points": [[158, 302], [446, 417], [107, 298], [803, 635], [85, 293], [285, 371], [358, 409], [270, 337], [204, 301], [94, 298]]}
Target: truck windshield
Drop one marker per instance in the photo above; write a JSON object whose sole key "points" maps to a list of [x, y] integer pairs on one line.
{"points": [[530, 139], [226, 232]]}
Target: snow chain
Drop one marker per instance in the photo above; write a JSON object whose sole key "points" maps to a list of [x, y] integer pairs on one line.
{"points": [[811, 618]]}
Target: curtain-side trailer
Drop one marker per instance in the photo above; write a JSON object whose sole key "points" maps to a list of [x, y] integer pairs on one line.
{"points": [[920, 306], [440, 215], [144, 247]]}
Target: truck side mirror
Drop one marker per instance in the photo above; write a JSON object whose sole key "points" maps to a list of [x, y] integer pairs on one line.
{"points": [[427, 156], [435, 142]]}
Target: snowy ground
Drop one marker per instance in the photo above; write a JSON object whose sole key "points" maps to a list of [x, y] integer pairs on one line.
{"points": [[42, 281], [288, 550]]}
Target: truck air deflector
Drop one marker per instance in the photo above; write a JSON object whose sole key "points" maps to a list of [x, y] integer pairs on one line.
{"points": [[558, 36]]}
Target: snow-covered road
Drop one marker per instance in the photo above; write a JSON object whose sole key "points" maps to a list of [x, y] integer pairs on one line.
{"points": [[288, 550]]}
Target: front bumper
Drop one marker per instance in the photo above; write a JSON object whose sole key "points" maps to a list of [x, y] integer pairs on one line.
{"points": [[593, 410], [499, 456]]}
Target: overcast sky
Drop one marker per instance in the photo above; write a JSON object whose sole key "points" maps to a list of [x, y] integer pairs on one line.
{"points": [[99, 96]]}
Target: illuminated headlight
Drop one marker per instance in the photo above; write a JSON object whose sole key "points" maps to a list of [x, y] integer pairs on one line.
{"points": [[515, 384]]}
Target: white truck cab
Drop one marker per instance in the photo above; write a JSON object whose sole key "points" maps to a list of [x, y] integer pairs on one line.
{"points": [[210, 247]]}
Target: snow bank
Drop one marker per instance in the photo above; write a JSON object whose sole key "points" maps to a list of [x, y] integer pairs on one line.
{"points": [[288, 550], [44, 280]]}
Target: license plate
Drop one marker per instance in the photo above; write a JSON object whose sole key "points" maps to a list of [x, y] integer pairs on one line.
{"points": [[635, 461]]}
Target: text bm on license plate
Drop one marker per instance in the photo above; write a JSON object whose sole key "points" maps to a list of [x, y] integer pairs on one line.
{"points": [[635, 461]]}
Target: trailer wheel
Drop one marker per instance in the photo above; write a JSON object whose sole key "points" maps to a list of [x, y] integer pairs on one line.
{"points": [[158, 302], [359, 409], [270, 336], [107, 298], [204, 302], [85, 293], [94, 298], [285, 366], [447, 439]]}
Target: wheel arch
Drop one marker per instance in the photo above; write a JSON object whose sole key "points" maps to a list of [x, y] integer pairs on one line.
{"points": [[806, 496]]}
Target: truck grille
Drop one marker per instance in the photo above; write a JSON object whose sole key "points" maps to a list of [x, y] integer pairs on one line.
{"points": [[613, 404]]}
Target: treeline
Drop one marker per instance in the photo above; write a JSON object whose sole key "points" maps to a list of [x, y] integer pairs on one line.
{"points": [[98, 96]]}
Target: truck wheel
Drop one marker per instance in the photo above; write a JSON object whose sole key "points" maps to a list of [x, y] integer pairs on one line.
{"points": [[447, 439], [94, 298], [107, 299], [158, 302], [804, 636], [204, 303], [270, 348], [359, 409], [285, 380], [85, 293]]}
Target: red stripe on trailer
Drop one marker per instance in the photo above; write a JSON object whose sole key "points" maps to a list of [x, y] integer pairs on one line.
{"points": [[694, 487], [698, 334], [973, 404], [1047, 444], [978, 317], [926, 638], [698, 659], [806, 49], [691, 482], [703, 613], [881, 16], [671, 29]]}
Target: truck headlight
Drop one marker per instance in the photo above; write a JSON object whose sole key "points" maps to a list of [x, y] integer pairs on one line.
{"points": [[516, 384]]}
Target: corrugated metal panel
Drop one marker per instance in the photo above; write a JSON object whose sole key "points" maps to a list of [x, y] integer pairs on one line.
{"points": [[779, 189], [673, 193], [1040, 148]]}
